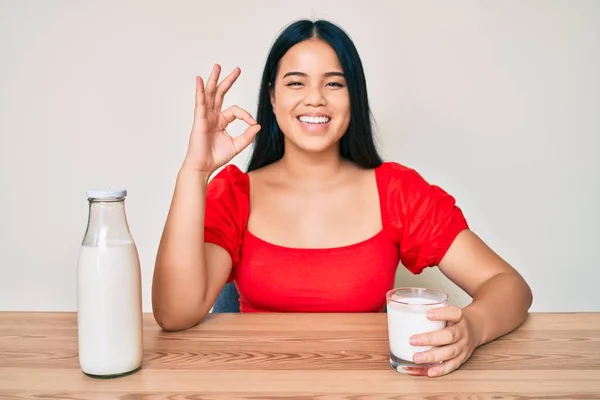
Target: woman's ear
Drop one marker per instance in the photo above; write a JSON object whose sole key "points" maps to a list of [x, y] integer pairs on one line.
{"points": [[271, 95]]}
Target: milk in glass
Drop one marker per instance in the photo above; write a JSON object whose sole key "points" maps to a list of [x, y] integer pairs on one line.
{"points": [[407, 316]]}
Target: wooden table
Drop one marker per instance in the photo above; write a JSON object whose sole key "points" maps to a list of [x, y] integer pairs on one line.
{"points": [[299, 356]]}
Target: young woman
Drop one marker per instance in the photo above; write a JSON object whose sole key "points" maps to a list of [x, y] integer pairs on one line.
{"points": [[318, 223]]}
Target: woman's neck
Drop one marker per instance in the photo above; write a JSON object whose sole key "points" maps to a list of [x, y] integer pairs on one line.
{"points": [[312, 170]]}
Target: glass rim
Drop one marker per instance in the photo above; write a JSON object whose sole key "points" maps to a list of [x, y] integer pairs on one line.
{"points": [[444, 295]]}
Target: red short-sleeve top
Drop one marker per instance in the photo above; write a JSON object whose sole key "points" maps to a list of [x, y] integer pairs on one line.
{"points": [[420, 221]]}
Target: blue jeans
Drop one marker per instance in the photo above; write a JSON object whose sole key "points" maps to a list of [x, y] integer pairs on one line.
{"points": [[228, 300]]}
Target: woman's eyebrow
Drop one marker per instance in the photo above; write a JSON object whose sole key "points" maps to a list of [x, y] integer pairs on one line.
{"points": [[326, 74]]}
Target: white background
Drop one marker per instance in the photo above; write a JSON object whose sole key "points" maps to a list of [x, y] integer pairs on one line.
{"points": [[497, 102]]}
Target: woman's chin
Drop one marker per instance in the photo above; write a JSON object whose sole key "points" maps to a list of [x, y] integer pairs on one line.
{"points": [[315, 144]]}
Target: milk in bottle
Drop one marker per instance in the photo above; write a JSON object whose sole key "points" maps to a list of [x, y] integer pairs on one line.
{"points": [[109, 298]]}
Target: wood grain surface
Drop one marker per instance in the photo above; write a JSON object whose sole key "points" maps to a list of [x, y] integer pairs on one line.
{"points": [[299, 356]]}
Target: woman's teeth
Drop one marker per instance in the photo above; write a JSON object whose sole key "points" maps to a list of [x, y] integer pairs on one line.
{"points": [[314, 120]]}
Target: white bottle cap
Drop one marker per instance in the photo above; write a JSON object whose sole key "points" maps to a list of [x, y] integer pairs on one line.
{"points": [[106, 193]]}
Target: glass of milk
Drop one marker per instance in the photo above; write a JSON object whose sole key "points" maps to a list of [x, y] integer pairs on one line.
{"points": [[109, 298], [407, 316]]}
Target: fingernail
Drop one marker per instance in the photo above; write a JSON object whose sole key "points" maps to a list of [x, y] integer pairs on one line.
{"points": [[414, 341], [431, 314], [418, 358]]}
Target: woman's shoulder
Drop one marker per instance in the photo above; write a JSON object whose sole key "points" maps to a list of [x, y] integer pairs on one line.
{"points": [[394, 168], [227, 209], [228, 194], [230, 173], [402, 188], [229, 181], [421, 217], [396, 175]]}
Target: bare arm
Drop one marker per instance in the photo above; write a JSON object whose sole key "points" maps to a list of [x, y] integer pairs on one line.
{"points": [[189, 274], [501, 297], [501, 300], [184, 287]]}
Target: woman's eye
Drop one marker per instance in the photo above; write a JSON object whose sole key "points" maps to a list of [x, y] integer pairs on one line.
{"points": [[330, 84]]}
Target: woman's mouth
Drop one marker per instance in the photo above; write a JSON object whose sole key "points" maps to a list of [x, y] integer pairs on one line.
{"points": [[314, 123]]}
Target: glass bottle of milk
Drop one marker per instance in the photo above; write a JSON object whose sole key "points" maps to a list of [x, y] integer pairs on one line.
{"points": [[109, 298]]}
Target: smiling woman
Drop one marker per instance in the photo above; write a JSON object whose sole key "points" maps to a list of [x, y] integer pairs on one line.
{"points": [[314, 69], [318, 222], [312, 105]]}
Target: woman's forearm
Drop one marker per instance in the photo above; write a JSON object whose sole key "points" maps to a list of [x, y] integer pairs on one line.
{"points": [[499, 306]]}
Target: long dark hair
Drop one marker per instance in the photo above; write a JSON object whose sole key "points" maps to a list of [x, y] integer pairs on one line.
{"points": [[357, 144]]}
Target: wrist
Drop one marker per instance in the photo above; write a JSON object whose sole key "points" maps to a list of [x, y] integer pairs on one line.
{"points": [[186, 173], [476, 324]]}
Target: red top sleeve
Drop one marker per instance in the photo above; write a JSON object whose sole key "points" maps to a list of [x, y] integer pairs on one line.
{"points": [[227, 210], [422, 218]]}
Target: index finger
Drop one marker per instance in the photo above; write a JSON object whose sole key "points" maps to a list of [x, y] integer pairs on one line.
{"points": [[234, 112], [451, 314]]}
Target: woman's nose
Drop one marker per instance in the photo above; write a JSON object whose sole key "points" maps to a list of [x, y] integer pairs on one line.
{"points": [[315, 97]]}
